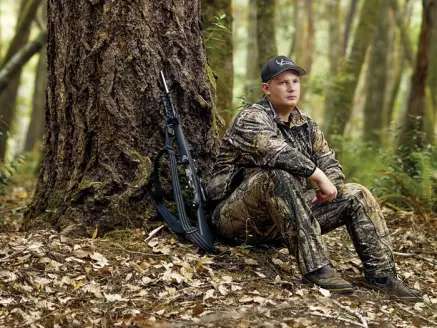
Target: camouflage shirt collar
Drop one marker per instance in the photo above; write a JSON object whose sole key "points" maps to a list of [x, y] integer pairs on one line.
{"points": [[296, 118]]}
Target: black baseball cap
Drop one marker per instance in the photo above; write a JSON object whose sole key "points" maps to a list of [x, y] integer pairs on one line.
{"points": [[277, 65]]}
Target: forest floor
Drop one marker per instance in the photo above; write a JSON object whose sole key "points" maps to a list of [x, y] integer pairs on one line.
{"points": [[151, 279]]}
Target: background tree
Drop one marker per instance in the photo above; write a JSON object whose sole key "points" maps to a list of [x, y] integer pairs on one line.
{"points": [[252, 83], [265, 29], [104, 113], [36, 126], [8, 98], [348, 26], [219, 51], [414, 133], [377, 80], [339, 99], [335, 46]]}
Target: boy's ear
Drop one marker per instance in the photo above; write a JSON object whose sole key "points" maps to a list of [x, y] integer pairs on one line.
{"points": [[265, 88]]}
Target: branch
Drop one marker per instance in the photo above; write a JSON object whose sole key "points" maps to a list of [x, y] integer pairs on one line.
{"points": [[352, 312], [419, 316], [20, 58], [416, 256], [328, 316]]}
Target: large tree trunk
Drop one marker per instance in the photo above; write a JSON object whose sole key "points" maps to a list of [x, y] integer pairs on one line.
{"points": [[36, 125], [253, 91], [220, 52], [104, 116], [265, 28], [9, 95], [413, 132], [341, 91], [377, 80]]}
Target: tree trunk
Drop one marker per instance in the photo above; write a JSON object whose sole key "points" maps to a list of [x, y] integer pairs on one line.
{"points": [[253, 91], [405, 36], [335, 45], [16, 63], [299, 30], [341, 92], [104, 113], [36, 125], [413, 131], [399, 51], [265, 30], [348, 26], [377, 80], [309, 37], [8, 97], [220, 52], [432, 76]]}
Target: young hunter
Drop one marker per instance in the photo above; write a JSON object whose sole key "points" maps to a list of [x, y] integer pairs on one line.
{"points": [[259, 185]]}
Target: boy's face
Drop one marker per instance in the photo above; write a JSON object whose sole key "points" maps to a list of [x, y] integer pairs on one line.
{"points": [[283, 90]]}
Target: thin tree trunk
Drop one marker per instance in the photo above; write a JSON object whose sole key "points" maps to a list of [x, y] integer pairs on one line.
{"points": [[8, 98], [298, 37], [220, 52], [252, 71], [104, 112], [348, 26], [377, 80], [310, 36], [399, 50], [412, 136], [36, 125], [405, 37], [16, 63], [265, 29], [432, 76], [335, 45], [340, 94]]}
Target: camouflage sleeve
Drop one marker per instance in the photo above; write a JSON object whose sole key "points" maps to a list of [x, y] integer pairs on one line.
{"points": [[324, 157], [255, 137]]}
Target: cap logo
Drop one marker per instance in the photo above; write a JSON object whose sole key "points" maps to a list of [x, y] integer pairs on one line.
{"points": [[284, 62]]}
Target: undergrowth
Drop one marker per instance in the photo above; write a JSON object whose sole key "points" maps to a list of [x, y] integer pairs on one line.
{"points": [[383, 172]]}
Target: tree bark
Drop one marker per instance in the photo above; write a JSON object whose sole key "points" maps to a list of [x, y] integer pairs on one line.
{"points": [[36, 125], [265, 29], [377, 80], [220, 53], [104, 115], [8, 98], [340, 94], [413, 131]]}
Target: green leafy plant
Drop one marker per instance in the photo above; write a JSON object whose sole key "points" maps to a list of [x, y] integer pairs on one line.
{"points": [[214, 29]]}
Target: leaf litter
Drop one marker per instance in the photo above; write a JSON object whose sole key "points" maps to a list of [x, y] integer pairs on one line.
{"points": [[156, 280]]}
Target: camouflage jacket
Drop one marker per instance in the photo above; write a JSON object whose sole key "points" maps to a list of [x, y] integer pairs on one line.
{"points": [[258, 139]]}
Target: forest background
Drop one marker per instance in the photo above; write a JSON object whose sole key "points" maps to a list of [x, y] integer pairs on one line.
{"points": [[331, 40], [371, 86]]}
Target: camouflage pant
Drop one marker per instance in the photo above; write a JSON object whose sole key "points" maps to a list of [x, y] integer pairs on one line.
{"points": [[271, 205]]}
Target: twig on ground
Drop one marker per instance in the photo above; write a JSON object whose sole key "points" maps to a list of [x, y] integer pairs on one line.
{"points": [[14, 254], [352, 312], [329, 316], [417, 315], [417, 256]]}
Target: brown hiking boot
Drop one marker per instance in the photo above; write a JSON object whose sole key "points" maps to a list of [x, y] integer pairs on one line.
{"points": [[394, 288], [327, 278]]}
